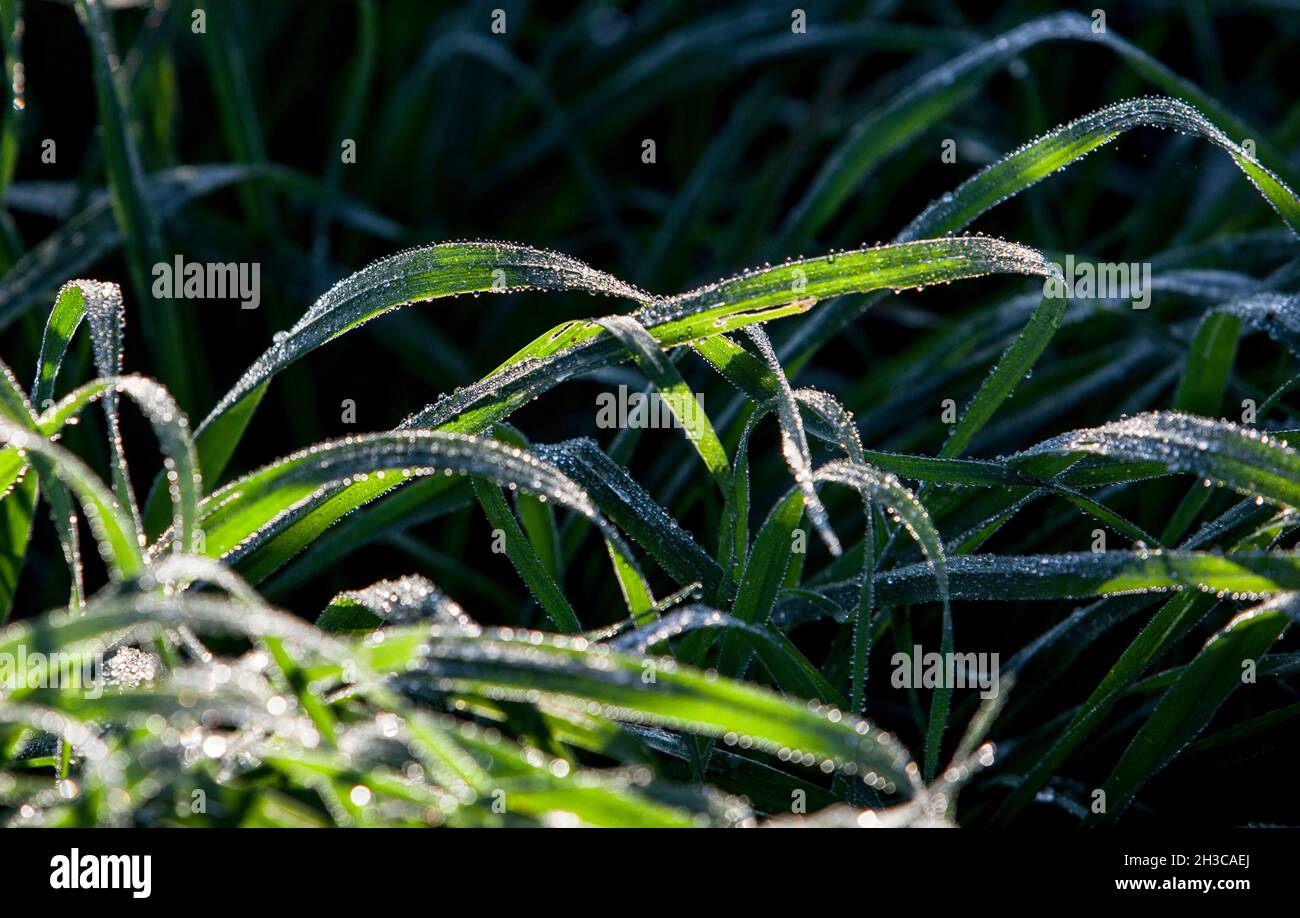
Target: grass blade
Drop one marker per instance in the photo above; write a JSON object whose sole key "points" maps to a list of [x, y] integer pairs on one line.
{"points": [[1191, 701]]}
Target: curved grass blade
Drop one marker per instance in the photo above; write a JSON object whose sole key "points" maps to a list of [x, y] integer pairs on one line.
{"points": [[414, 276], [180, 464], [1057, 149], [1070, 142], [1221, 452], [577, 347], [794, 443], [903, 506], [241, 517], [106, 316], [398, 602], [1275, 314], [64, 319], [113, 530], [1191, 701], [676, 394], [944, 89], [1079, 575], [830, 419], [19, 493], [525, 559], [504, 665]]}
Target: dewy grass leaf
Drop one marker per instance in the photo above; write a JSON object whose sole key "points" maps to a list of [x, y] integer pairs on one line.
{"points": [[1221, 452], [575, 348], [1192, 700], [675, 393], [573, 672], [172, 345], [946, 87], [1018, 361], [904, 507], [1076, 575], [184, 481], [525, 559], [483, 267], [113, 530], [1068, 143], [1275, 314], [794, 443], [106, 317], [955, 210], [420, 274], [240, 518], [630, 507], [19, 491]]}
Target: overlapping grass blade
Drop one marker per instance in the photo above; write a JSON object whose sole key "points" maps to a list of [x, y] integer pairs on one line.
{"points": [[1220, 452], [113, 530], [500, 665], [576, 347], [172, 345], [525, 558], [943, 89], [1078, 575], [1192, 700], [1070, 142], [239, 517]]}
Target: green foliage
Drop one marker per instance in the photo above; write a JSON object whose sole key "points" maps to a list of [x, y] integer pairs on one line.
{"points": [[702, 660]]}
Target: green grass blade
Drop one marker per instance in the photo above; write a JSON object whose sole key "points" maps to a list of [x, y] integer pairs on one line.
{"points": [[112, 529], [522, 555], [1223, 453], [576, 348], [676, 394], [794, 443], [1010, 370], [1174, 619], [500, 666], [1191, 701], [1078, 575], [172, 344], [1071, 142]]}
